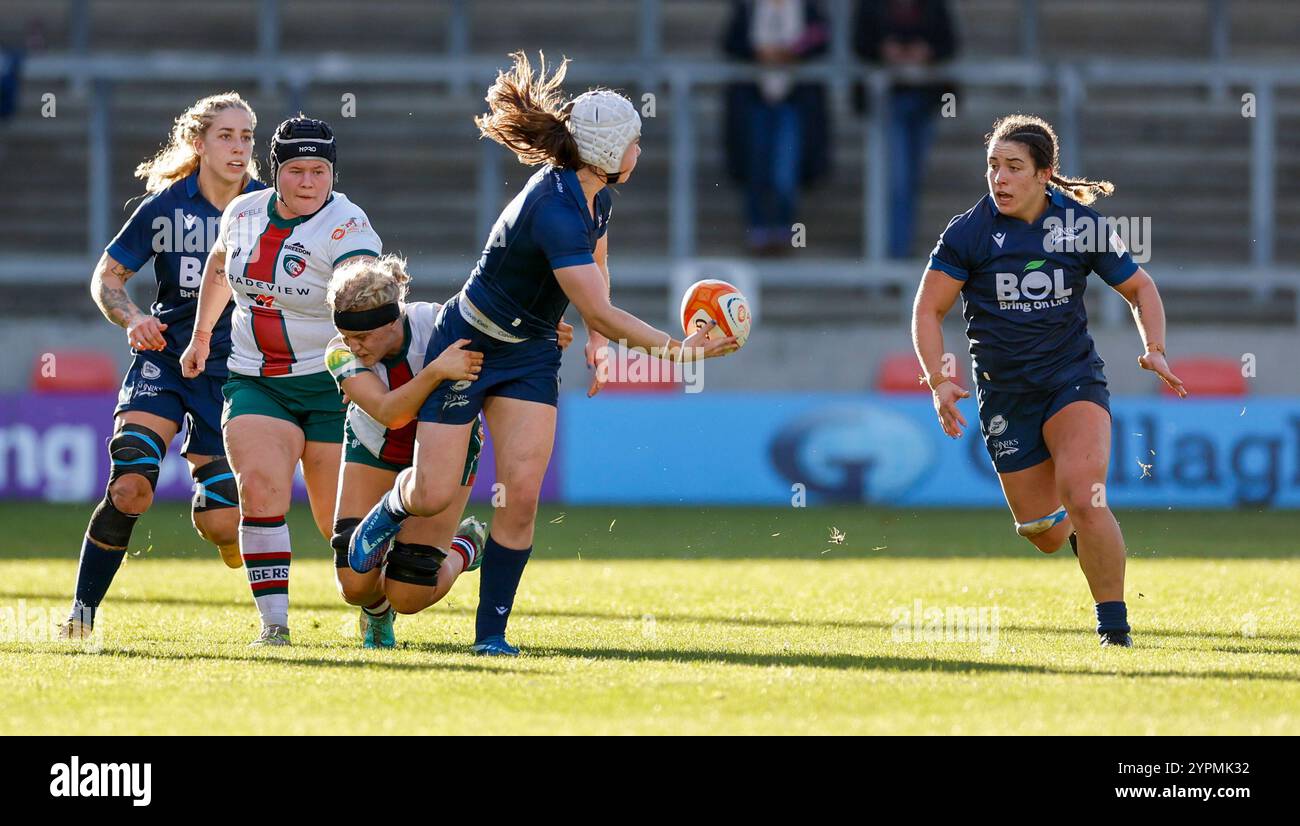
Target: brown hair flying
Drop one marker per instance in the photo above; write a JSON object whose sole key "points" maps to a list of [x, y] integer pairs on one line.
{"points": [[527, 115]]}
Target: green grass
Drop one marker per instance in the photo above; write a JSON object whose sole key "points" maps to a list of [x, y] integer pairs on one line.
{"points": [[680, 621]]}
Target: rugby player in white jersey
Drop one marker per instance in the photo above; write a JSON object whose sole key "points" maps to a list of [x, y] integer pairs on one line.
{"points": [[275, 256]]}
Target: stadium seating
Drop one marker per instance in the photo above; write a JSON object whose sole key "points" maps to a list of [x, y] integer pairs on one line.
{"points": [[389, 163]]}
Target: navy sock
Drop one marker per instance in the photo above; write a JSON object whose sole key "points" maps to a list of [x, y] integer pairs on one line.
{"points": [[498, 580], [94, 574], [1112, 616]]}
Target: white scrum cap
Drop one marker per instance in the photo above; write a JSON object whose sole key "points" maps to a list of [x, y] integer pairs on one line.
{"points": [[603, 123]]}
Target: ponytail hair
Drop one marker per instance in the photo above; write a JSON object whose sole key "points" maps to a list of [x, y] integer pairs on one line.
{"points": [[178, 160], [1045, 151], [526, 114]]}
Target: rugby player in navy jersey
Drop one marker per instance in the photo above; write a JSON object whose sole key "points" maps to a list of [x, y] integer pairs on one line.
{"points": [[1020, 260], [206, 164], [548, 247]]}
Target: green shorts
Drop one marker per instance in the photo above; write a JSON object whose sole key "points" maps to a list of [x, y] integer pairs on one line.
{"points": [[312, 402], [359, 454]]}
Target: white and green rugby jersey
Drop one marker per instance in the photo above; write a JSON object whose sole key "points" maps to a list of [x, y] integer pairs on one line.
{"points": [[393, 445], [280, 270]]}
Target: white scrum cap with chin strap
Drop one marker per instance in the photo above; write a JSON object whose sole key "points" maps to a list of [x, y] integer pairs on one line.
{"points": [[603, 123]]}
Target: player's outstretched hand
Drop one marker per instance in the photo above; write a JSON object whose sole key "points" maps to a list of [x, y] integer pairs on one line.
{"points": [[700, 346], [457, 363], [945, 404], [1155, 362], [597, 352], [195, 357], [564, 332], [146, 333]]}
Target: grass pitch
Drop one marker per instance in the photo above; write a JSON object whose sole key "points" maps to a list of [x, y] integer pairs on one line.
{"points": [[666, 621]]}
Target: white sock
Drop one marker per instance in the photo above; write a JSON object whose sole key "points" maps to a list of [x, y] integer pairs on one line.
{"points": [[264, 544]]}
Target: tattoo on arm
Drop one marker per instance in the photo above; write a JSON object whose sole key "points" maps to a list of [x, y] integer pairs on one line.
{"points": [[112, 299]]}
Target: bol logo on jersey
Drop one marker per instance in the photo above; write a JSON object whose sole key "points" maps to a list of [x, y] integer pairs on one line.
{"points": [[294, 265], [1035, 290]]}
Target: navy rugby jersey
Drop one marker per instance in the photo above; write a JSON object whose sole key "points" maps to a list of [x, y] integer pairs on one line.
{"points": [[1023, 289], [176, 227], [546, 227]]}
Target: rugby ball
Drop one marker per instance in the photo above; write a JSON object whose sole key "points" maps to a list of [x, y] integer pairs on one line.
{"points": [[715, 300]]}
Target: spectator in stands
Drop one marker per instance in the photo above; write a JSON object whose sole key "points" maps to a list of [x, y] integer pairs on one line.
{"points": [[776, 128], [10, 77], [906, 33]]}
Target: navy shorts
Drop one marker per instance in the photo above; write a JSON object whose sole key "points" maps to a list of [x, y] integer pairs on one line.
{"points": [[156, 386], [527, 370], [1012, 423]]}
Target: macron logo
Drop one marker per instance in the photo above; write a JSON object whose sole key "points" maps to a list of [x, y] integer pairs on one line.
{"points": [[77, 779], [999, 237]]}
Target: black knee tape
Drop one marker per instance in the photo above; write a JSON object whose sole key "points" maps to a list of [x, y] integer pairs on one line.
{"points": [[414, 564], [214, 487], [109, 526], [343, 529], [136, 449]]}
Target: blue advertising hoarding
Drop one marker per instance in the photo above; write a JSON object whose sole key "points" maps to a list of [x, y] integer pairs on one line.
{"points": [[754, 448]]}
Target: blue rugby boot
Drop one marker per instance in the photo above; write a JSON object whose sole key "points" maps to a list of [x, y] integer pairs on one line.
{"points": [[377, 632], [494, 647], [372, 538]]}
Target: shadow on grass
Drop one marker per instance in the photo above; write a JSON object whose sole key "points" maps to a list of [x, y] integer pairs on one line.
{"points": [[854, 662], [831, 661], [754, 622], [276, 658]]}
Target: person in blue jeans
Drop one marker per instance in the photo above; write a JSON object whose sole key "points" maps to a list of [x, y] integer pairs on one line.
{"points": [[906, 33], [776, 129]]}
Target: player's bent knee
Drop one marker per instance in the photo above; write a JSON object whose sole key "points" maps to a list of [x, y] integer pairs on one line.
{"points": [[1048, 543], [257, 488], [408, 599], [520, 508], [131, 494], [343, 530], [356, 589], [136, 453], [1046, 533], [215, 490], [429, 496], [221, 528], [413, 564]]}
